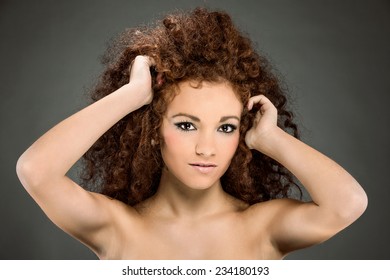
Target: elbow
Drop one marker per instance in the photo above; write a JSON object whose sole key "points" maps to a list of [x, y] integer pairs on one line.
{"points": [[29, 173], [354, 206], [361, 203]]}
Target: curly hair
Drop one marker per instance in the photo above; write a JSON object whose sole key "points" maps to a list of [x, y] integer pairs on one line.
{"points": [[199, 45]]}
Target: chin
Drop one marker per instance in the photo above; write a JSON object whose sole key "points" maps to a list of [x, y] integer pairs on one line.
{"points": [[193, 181], [201, 184]]}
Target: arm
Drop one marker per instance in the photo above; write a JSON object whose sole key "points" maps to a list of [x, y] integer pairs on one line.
{"points": [[42, 167], [337, 198]]}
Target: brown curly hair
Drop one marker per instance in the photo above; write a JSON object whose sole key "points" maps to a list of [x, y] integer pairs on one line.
{"points": [[199, 45]]}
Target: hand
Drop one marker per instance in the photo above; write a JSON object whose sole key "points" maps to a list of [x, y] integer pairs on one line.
{"points": [[141, 78], [265, 122]]}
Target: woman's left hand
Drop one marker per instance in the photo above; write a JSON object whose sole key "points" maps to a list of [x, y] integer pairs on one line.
{"points": [[265, 122]]}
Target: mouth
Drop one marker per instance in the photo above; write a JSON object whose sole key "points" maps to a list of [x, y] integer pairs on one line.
{"points": [[204, 164], [204, 167]]}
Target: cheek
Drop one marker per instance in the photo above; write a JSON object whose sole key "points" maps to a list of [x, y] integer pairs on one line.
{"points": [[229, 146], [171, 139], [174, 142]]}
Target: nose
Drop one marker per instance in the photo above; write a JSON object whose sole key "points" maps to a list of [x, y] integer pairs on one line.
{"points": [[205, 145]]}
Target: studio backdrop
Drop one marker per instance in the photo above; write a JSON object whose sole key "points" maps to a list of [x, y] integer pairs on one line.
{"points": [[333, 56]]}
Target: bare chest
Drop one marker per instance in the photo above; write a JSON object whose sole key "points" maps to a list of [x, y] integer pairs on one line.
{"points": [[228, 238]]}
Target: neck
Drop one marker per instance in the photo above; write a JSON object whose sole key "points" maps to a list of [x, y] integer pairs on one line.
{"points": [[173, 198]]}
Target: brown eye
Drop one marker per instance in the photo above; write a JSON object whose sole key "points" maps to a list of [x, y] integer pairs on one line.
{"points": [[185, 126], [227, 128]]}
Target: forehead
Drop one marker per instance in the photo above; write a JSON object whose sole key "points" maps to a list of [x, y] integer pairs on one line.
{"points": [[205, 98]]}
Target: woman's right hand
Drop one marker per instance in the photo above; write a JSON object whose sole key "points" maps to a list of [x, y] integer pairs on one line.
{"points": [[141, 78]]}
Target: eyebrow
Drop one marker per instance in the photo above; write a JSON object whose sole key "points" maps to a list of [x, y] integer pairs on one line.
{"points": [[196, 119]]}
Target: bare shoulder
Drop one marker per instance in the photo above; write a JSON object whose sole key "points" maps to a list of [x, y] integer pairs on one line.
{"points": [[268, 209], [262, 216], [122, 218], [114, 205], [288, 224], [258, 221]]}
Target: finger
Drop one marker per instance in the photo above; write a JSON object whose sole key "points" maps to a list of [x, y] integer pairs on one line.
{"points": [[257, 118], [152, 62], [143, 58], [149, 60], [261, 99], [131, 65]]}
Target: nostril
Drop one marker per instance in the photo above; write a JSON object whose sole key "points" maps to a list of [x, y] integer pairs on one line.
{"points": [[204, 150]]}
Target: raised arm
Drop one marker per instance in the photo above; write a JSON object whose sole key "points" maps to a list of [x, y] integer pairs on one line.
{"points": [[42, 167], [337, 198]]}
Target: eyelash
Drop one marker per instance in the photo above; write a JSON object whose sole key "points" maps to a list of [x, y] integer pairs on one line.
{"points": [[184, 126], [231, 127]]}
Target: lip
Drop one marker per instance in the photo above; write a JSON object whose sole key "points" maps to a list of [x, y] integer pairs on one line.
{"points": [[203, 167]]}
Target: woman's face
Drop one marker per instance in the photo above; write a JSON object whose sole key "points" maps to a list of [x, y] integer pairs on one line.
{"points": [[200, 132]]}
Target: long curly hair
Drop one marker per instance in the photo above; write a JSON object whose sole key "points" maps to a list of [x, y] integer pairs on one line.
{"points": [[199, 45]]}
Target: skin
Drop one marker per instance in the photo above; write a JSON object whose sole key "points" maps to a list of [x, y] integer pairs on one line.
{"points": [[190, 217], [195, 135]]}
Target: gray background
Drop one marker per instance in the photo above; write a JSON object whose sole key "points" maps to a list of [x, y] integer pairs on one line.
{"points": [[334, 56]]}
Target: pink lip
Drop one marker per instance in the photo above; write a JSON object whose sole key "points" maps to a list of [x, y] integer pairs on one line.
{"points": [[203, 167]]}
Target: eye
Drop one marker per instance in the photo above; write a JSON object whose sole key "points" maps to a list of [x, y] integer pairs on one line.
{"points": [[185, 126], [227, 128]]}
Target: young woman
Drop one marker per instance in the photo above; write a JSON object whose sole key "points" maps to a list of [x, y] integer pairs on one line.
{"points": [[193, 152]]}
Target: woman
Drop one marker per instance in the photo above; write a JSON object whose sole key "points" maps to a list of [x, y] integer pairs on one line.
{"points": [[189, 143]]}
